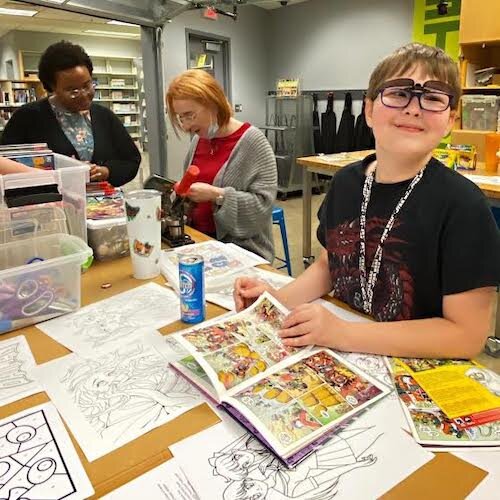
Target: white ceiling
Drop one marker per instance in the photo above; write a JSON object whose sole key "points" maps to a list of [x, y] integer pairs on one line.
{"points": [[53, 20], [57, 21]]}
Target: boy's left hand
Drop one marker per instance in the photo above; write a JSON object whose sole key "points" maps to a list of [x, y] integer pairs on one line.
{"points": [[311, 324]]}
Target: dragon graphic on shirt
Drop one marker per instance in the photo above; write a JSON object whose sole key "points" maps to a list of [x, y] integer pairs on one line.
{"points": [[394, 288]]}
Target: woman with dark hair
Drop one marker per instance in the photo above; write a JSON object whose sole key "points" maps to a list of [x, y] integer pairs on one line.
{"points": [[70, 123]]}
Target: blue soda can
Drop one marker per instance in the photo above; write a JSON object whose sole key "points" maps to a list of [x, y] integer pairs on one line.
{"points": [[192, 288]]}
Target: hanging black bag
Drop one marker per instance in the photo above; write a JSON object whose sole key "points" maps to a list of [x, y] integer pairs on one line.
{"points": [[329, 126], [345, 134]]}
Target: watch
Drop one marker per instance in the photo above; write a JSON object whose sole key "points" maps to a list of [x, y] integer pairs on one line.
{"points": [[219, 200]]}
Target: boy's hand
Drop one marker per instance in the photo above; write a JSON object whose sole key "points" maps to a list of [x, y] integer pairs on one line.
{"points": [[311, 324], [248, 290]]}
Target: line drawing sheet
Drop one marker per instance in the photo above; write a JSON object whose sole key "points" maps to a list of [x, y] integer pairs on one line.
{"points": [[118, 395], [38, 460], [16, 364], [362, 460], [116, 320], [165, 482], [224, 296]]}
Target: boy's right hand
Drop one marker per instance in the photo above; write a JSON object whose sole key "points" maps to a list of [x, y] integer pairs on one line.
{"points": [[248, 290]]}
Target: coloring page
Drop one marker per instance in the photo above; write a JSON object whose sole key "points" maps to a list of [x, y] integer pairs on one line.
{"points": [[117, 395], [224, 295], [165, 482], [363, 460], [16, 363], [37, 458], [116, 320]]}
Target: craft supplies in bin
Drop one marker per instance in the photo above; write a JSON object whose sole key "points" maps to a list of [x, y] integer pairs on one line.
{"points": [[108, 238], [63, 187], [40, 279]]}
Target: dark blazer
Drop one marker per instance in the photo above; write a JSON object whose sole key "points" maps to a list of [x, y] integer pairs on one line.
{"points": [[113, 146]]}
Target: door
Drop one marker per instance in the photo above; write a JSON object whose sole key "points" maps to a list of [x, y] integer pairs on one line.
{"points": [[210, 53]]}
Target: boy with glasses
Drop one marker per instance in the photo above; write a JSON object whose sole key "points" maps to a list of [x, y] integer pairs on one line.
{"points": [[406, 240]]}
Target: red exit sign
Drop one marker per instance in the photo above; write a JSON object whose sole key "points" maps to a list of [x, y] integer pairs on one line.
{"points": [[210, 13]]}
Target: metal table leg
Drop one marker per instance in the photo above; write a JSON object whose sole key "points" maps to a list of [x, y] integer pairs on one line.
{"points": [[307, 258]]}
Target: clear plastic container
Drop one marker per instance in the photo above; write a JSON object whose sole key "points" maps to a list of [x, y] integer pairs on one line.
{"points": [[108, 238], [40, 279], [71, 177], [480, 112]]}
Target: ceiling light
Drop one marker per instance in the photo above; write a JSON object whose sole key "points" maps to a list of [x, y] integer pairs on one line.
{"points": [[122, 23], [17, 12], [118, 34], [60, 2]]}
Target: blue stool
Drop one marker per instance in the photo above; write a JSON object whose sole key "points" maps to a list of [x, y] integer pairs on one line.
{"points": [[279, 218]]}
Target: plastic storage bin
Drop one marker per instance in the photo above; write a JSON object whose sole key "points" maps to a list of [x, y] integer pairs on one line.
{"points": [[108, 238], [70, 176], [480, 112], [40, 279]]}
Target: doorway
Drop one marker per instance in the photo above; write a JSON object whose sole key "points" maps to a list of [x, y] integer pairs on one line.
{"points": [[212, 54]]}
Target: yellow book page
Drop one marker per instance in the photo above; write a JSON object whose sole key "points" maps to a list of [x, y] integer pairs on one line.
{"points": [[454, 386]]}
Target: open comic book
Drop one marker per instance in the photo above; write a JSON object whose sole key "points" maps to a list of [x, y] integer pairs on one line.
{"points": [[448, 402], [291, 399]]}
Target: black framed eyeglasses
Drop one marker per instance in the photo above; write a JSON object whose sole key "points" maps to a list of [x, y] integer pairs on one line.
{"points": [[433, 95]]}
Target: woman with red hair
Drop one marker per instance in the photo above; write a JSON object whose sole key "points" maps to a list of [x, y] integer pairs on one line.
{"points": [[238, 175]]}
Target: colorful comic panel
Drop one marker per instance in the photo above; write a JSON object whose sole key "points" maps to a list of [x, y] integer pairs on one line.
{"points": [[325, 404], [249, 331], [412, 395], [297, 379], [420, 365], [264, 399], [192, 365], [211, 338], [267, 312], [355, 389], [292, 424], [236, 363]]}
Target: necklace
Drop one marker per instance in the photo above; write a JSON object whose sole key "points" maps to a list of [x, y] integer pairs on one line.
{"points": [[368, 285]]}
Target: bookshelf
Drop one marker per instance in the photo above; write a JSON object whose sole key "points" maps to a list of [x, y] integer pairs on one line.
{"points": [[118, 85]]}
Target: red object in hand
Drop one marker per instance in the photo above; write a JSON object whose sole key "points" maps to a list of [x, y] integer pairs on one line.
{"points": [[181, 188]]}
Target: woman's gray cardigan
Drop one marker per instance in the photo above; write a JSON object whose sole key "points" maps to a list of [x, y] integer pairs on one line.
{"points": [[249, 178]]}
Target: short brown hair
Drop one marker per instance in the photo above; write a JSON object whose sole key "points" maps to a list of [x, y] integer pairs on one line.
{"points": [[433, 60], [202, 87]]}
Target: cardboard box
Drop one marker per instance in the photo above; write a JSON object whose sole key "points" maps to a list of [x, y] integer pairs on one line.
{"points": [[473, 137]]}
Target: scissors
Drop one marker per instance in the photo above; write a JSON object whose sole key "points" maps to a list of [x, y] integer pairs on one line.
{"points": [[30, 298]]}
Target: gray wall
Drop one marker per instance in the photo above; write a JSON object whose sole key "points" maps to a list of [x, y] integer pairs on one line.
{"points": [[38, 42], [335, 44], [249, 40], [8, 52]]}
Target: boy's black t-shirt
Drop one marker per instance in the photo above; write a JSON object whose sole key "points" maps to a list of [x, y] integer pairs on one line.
{"points": [[444, 241]]}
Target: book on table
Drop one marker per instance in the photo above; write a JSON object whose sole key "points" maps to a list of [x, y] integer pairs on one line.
{"points": [[291, 399], [448, 402]]}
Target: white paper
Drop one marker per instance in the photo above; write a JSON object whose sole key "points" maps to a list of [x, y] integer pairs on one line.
{"points": [[487, 489], [16, 363], [221, 262], [494, 180], [257, 259], [490, 462], [224, 295], [165, 482], [111, 398], [38, 460], [363, 460], [343, 313], [115, 321]]}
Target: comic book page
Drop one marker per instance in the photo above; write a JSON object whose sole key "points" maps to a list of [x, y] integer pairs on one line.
{"points": [[238, 348], [429, 424], [302, 401], [459, 387]]}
